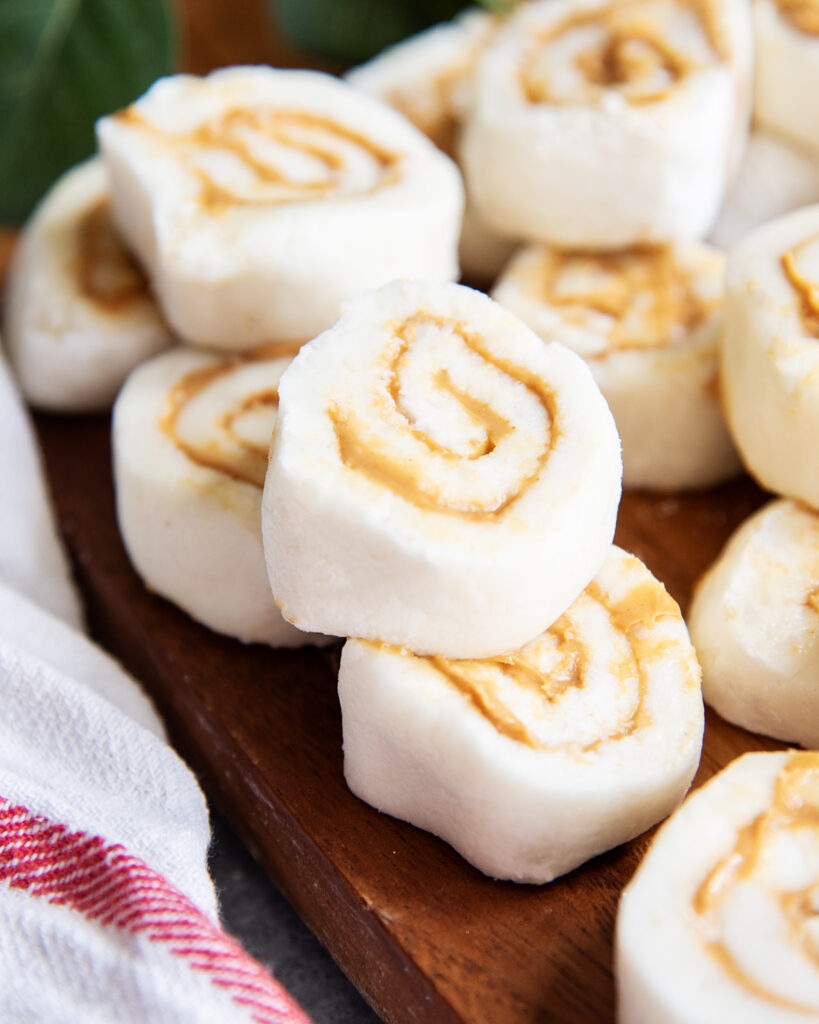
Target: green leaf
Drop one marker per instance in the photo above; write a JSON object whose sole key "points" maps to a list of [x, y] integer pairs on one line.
{"points": [[353, 30], [499, 6], [63, 64]]}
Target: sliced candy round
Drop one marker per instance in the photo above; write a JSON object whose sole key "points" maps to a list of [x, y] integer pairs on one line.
{"points": [[770, 365], [532, 762], [440, 478], [191, 432], [649, 323], [719, 923], [259, 199], [79, 313], [607, 123], [755, 623]]}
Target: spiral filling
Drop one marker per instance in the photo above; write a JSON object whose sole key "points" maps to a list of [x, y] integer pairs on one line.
{"points": [[264, 155], [638, 299], [801, 14], [444, 446], [640, 49], [586, 676], [236, 439], [105, 272], [773, 867]]}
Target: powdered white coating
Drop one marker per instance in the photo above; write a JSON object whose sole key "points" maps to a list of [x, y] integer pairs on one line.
{"points": [[755, 623], [430, 79], [770, 366], [71, 353], [587, 167], [261, 198], [192, 530], [428, 499], [417, 746], [775, 177], [786, 78], [663, 391], [674, 965]]}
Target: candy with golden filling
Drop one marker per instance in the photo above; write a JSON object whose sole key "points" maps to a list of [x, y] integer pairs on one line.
{"points": [[440, 478], [259, 199], [649, 323], [191, 431], [755, 623], [607, 123], [79, 313], [534, 761], [719, 922], [770, 365]]}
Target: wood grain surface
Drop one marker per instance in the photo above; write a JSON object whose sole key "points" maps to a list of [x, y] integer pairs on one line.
{"points": [[424, 936]]}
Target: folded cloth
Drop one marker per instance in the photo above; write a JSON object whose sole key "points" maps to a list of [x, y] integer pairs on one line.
{"points": [[106, 909]]}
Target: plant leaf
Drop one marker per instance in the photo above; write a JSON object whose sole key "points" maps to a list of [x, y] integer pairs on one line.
{"points": [[354, 30], [63, 64], [499, 6]]}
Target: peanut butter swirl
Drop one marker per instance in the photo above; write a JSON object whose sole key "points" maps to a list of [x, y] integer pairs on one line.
{"points": [[793, 811], [106, 274], [807, 290], [259, 142], [364, 451], [802, 14], [227, 449], [632, 47], [649, 298], [549, 668]]}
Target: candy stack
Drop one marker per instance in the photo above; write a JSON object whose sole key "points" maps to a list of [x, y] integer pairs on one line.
{"points": [[442, 489]]}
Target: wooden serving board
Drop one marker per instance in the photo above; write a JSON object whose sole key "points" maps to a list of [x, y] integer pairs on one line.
{"points": [[425, 937]]}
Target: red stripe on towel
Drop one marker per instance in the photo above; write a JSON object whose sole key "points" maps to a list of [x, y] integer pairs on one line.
{"points": [[105, 883]]}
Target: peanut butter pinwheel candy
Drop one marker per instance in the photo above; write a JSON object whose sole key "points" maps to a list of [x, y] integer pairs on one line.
{"points": [[440, 478], [534, 761], [755, 623], [191, 432], [259, 199], [429, 78], [770, 367], [607, 123], [786, 61], [719, 922], [79, 313], [649, 322], [775, 177]]}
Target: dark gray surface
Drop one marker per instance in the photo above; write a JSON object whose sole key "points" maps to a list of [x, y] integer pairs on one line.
{"points": [[270, 930]]}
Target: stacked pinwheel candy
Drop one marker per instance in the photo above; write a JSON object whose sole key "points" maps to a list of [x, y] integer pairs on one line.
{"points": [[444, 475], [442, 489]]}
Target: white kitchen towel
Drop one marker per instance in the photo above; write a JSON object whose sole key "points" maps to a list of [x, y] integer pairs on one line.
{"points": [[106, 909], [31, 559]]}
